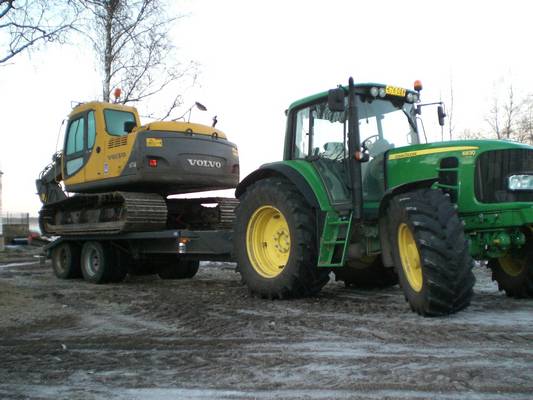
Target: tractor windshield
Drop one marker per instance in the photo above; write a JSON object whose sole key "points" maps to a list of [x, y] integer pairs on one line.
{"points": [[384, 125]]}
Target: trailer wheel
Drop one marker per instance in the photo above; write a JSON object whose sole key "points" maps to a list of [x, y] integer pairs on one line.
{"points": [[275, 242], [120, 267], [367, 273], [514, 274], [430, 252], [179, 269], [97, 261], [66, 260]]}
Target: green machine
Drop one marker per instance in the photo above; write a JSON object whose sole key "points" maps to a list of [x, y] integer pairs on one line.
{"points": [[359, 195]]}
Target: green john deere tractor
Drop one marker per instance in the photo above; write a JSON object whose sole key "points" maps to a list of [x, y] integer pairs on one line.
{"points": [[358, 194]]}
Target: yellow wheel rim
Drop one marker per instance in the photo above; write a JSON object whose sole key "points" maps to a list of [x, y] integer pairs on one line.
{"points": [[410, 257], [268, 241], [512, 266]]}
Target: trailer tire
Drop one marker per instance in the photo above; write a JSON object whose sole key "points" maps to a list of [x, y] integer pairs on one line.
{"points": [[179, 269], [121, 261], [366, 274], [514, 275], [430, 252], [66, 260], [275, 242], [97, 262]]}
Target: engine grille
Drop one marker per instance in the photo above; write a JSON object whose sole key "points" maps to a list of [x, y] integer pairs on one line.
{"points": [[492, 170]]}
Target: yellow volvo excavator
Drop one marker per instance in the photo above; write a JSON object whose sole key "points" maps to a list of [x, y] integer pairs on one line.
{"points": [[122, 173]]}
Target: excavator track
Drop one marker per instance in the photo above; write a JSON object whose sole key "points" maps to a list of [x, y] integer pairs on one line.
{"points": [[104, 213]]}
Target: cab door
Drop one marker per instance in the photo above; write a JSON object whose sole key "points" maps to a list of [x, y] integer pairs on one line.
{"points": [[79, 144], [320, 137]]}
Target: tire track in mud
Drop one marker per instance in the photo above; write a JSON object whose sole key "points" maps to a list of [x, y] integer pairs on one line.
{"points": [[207, 338]]}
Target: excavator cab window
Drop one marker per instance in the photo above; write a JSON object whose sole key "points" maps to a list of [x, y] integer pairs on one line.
{"points": [[91, 130], [75, 145], [115, 120]]}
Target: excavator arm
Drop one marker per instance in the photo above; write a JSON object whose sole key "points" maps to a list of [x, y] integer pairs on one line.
{"points": [[48, 183]]}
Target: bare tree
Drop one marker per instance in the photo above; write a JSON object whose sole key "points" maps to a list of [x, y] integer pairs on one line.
{"points": [[511, 110], [493, 117], [503, 117], [27, 23], [526, 121], [131, 39], [449, 111], [468, 134]]}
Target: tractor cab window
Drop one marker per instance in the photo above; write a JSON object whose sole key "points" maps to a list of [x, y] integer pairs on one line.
{"points": [[320, 137], [320, 133], [115, 119], [383, 125]]}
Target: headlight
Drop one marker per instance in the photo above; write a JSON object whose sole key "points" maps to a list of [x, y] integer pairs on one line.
{"points": [[520, 182], [374, 91]]}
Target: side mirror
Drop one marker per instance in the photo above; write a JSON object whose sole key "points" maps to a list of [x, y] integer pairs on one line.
{"points": [[129, 126], [336, 100], [441, 114]]}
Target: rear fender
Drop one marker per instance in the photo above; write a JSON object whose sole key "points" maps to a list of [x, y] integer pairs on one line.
{"points": [[280, 169]]}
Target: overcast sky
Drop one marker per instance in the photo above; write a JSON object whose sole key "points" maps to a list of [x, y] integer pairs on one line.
{"points": [[256, 57]]}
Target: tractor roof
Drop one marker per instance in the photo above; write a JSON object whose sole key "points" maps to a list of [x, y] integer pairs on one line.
{"points": [[364, 86]]}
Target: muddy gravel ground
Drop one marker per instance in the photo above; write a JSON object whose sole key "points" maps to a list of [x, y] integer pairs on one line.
{"points": [[205, 338]]}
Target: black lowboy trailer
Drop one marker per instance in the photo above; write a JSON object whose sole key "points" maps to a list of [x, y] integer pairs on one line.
{"points": [[108, 258]]}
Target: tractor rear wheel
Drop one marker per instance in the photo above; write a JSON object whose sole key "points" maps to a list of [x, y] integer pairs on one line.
{"points": [[275, 241], [430, 252], [368, 273], [514, 273]]}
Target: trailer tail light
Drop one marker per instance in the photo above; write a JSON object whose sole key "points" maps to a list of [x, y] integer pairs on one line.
{"points": [[182, 246], [152, 162]]}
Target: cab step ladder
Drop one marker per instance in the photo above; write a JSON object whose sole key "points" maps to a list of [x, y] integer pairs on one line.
{"points": [[335, 240]]}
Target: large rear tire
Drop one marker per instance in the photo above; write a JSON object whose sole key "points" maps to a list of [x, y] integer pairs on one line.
{"points": [[514, 273], [66, 260], [367, 274], [275, 242], [430, 252]]}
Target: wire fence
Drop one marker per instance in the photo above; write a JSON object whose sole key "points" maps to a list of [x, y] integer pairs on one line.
{"points": [[15, 218]]}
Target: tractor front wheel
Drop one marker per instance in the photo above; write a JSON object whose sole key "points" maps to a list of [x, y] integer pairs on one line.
{"points": [[430, 252], [275, 241]]}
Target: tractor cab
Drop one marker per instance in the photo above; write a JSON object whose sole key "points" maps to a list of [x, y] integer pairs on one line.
{"points": [[317, 131]]}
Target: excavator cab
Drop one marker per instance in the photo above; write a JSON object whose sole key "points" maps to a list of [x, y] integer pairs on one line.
{"points": [[122, 172], [93, 131], [106, 148]]}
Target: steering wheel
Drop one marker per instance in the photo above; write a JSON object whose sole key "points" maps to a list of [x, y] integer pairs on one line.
{"points": [[369, 142]]}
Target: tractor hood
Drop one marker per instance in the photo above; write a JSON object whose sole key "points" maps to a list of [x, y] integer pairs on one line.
{"points": [[457, 148]]}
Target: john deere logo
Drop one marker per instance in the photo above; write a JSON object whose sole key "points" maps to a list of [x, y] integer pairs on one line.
{"points": [[204, 163]]}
